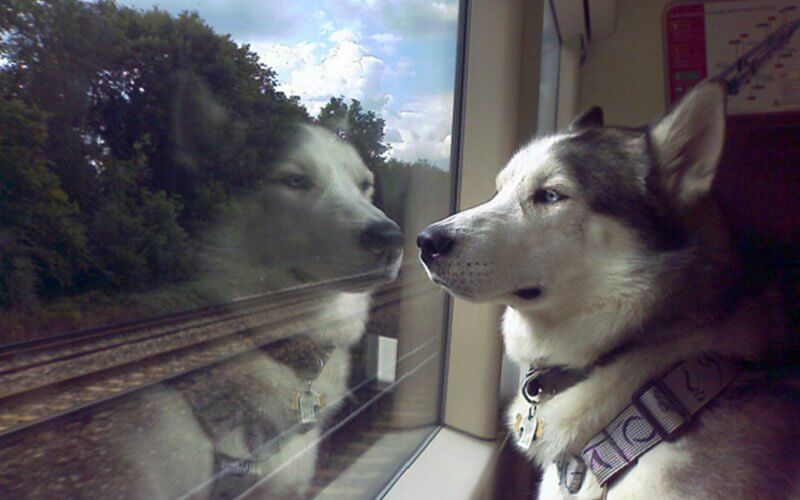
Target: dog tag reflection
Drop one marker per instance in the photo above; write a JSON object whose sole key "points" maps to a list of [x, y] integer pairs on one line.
{"points": [[527, 427], [307, 404]]}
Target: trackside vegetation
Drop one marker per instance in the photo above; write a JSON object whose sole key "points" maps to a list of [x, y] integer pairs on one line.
{"points": [[124, 134]]}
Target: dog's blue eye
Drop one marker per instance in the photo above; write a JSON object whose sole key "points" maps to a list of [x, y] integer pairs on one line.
{"points": [[366, 185], [547, 196], [296, 181]]}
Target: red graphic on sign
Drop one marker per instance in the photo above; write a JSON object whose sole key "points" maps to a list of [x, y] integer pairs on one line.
{"points": [[686, 48]]}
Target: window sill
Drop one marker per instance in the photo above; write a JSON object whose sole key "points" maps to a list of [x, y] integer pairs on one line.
{"points": [[452, 466]]}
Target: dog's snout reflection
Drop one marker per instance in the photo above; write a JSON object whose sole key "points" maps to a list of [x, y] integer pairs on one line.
{"points": [[382, 236]]}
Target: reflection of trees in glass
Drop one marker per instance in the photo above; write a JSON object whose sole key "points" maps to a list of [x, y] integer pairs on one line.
{"points": [[399, 178], [364, 129], [124, 133], [42, 242]]}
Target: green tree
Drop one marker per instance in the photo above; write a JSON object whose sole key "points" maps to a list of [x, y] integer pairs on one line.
{"points": [[55, 49], [124, 132], [364, 129], [148, 125], [42, 243], [205, 109], [135, 236]]}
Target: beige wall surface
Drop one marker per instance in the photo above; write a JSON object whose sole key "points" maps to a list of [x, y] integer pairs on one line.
{"points": [[624, 74], [489, 136], [494, 114]]}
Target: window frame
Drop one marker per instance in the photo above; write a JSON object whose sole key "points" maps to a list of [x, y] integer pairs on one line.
{"points": [[499, 66], [499, 113]]}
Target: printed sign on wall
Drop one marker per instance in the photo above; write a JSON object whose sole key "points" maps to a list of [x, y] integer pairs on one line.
{"points": [[702, 39]]}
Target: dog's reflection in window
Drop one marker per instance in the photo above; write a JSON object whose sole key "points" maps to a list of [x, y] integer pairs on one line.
{"points": [[311, 240]]}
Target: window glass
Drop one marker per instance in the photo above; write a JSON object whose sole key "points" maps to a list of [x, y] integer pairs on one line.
{"points": [[204, 212], [548, 78]]}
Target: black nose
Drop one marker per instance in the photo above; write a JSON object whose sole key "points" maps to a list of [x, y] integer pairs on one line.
{"points": [[434, 243], [382, 235]]}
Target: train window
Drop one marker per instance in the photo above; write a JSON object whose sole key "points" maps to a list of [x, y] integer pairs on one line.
{"points": [[548, 75], [204, 208]]}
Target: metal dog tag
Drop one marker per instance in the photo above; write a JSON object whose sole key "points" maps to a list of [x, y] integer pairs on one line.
{"points": [[527, 427]]}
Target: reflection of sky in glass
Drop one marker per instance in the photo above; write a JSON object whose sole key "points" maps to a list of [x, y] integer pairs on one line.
{"points": [[396, 56], [3, 60], [548, 80]]}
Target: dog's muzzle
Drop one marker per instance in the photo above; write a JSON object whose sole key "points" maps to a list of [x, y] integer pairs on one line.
{"points": [[434, 243]]}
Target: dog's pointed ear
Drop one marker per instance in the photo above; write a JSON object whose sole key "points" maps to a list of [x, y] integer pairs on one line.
{"points": [[688, 143], [592, 117]]}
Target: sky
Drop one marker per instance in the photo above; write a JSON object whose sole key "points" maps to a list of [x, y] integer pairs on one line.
{"points": [[396, 56]]}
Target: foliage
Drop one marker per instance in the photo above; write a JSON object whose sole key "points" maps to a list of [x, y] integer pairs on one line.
{"points": [[123, 134], [364, 129], [138, 242], [42, 244], [400, 178]]}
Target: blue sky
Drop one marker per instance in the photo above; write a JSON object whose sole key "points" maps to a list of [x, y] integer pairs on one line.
{"points": [[396, 56]]}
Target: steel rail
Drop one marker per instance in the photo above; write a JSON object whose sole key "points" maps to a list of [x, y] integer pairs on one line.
{"points": [[168, 360]]}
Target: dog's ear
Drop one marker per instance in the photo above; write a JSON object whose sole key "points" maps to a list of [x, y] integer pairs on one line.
{"points": [[592, 117], [688, 143]]}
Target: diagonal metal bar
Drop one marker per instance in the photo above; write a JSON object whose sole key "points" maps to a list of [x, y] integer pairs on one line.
{"points": [[743, 69]]}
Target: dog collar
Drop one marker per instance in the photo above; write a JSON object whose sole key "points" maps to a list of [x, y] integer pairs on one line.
{"points": [[550, 380], [547, 382], [658, 411], [541, 383]]}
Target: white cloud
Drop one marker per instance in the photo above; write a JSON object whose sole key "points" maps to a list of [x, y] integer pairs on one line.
{"points": [[386, 42], [316, 71], [422, 129], [344, 35], [386, 38], [421, 17], [343, 65]]}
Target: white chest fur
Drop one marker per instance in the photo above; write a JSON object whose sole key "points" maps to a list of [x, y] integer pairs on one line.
{"points": [[570, 418]]}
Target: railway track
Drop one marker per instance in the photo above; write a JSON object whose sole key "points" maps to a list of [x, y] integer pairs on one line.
{"points": [[14, 356], [35, 365], [46, 379]]}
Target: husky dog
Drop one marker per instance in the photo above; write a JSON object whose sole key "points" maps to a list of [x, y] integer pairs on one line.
{"points": [[614, 261], [312, 223]]}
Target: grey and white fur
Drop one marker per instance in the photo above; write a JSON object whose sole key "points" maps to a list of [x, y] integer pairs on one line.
{"points": [[312, 223], [608, 239]]}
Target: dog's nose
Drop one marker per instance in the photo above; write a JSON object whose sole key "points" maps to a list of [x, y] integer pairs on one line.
{"points": [[383, 235], [433, 243]]}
